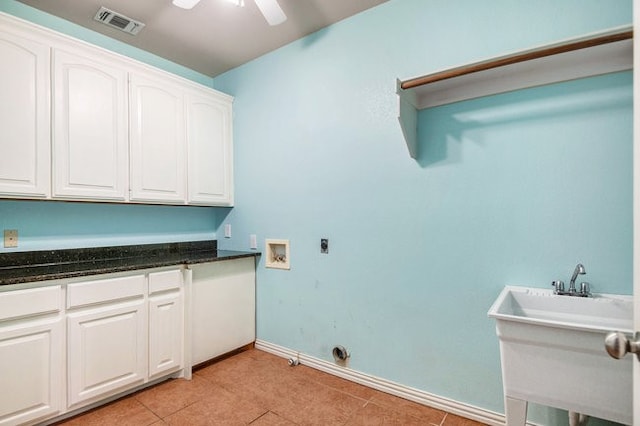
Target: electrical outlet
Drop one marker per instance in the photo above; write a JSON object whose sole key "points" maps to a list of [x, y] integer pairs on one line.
{"points": [[10, 238]]}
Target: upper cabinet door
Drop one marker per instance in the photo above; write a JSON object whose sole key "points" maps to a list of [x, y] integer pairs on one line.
{"points": [[24, 116], [157, 140], [209, 141], [90, 128]]}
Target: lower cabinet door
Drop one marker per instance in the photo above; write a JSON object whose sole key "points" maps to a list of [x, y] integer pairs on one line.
{"points": [[166, 327], [223, 311], [106, 350], [31, 366]]}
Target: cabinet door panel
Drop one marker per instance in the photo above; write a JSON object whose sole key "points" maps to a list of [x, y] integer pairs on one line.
{"points": [[210, 162], [31, 369], [157, 141], [106, 350], [24, 117], [166, 327], [90, 122], [223, 307]]}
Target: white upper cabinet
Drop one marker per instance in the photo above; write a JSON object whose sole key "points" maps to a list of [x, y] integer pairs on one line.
{"points": [[24, 115], [210, 154], [90, 158], [81, 123], [157, 140]]}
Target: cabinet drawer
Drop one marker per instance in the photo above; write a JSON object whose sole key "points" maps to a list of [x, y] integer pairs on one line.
{"points": [[32, 301], [163, 281], [98, 291]]}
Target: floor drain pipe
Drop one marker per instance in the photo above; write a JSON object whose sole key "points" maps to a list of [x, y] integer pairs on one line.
{"points": [[293, 361]]}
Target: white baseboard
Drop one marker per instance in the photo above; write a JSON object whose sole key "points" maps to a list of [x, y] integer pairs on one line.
{"points": [[406, 392]]}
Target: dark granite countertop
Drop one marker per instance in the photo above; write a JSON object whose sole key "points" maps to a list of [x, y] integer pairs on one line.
{"points": [[23, 267]]}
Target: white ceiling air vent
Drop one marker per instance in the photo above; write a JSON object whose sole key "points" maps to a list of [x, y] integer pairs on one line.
{"points": [[118, 20]]}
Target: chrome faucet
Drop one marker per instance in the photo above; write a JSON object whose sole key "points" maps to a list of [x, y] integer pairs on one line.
{"points": [[584, 287], [579, 270]]}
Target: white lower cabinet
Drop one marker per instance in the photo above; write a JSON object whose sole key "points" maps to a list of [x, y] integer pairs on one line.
{"points": [[223, 309], [105, 350], [77, 342], [106, 337], [123, 331], [31, 355], [166, 323]]}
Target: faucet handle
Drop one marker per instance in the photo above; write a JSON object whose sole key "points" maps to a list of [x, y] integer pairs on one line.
{"points": [[584, 289], [559, 286]]}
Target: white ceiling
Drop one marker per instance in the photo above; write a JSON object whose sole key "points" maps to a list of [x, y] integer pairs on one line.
{"points": [[215, 35]]}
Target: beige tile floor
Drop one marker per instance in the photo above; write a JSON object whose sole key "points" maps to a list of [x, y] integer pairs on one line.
{"points": [[259, 389]]}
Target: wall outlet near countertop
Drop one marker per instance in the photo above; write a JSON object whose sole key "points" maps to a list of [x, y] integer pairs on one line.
{"points": [[10, 238]]}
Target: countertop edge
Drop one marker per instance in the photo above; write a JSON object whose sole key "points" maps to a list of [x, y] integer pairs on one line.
{"points": [[39, 273]]}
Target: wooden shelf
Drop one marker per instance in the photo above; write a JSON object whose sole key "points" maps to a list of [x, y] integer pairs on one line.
{"points": [[590, 55]]}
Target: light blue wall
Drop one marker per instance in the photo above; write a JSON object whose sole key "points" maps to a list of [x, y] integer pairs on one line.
{"points": [[509, 189], [44, 225], [49, 225]]}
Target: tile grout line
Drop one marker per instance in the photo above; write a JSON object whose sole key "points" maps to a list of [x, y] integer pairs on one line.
{"points": [[371, 400], [234, 392], [158, 415], [444, 418], [260, 416], [358, 404]]}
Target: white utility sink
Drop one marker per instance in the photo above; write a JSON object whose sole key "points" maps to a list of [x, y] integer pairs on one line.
{"points": [[603, 312], [552, 352]]}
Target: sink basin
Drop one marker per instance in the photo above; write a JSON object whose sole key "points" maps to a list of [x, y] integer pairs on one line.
{"points": [[552, 353], [602, 312]]}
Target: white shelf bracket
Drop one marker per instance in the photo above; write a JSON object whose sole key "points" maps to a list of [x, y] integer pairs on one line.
{"points": [[408, 118]]}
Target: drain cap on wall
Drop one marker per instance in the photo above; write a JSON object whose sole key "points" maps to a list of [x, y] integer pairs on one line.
{"points": [[340, 353]]}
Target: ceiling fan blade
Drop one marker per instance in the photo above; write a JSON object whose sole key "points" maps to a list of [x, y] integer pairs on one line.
{"points": [[185, 4], [271, 11]]}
